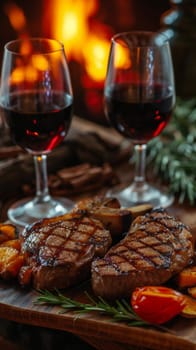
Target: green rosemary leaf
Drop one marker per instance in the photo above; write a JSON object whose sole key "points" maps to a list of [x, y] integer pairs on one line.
{"points": [[120, 311]]}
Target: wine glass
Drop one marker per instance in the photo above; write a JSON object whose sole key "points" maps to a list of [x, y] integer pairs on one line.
{"points": [[139, 97], [36, 100]]}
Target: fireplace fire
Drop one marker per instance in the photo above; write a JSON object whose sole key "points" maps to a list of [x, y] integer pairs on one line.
{"points": [[85, 27]]}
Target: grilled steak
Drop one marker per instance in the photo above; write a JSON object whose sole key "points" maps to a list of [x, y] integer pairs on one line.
{"points": [[60, 252], [157, 247]]}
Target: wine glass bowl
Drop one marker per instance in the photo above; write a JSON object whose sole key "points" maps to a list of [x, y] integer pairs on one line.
{"points": [[139, 97], [36, 102]]}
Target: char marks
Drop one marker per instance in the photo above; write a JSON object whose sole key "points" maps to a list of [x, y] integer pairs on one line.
{"points": [[156, 247], [60, 252], [49, 244]]}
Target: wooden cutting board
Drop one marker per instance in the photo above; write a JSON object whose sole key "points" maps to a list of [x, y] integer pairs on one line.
{"points": [[19, 305]]}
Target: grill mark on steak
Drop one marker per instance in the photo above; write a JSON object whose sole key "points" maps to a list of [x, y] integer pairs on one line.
{"points": [[80, 229], [145, 249], [144, 256], [152, 244], [156, 247], [60, 253]]}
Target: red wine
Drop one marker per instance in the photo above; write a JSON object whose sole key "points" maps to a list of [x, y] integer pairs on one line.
{"points": [[37, 122], [139, 118]]}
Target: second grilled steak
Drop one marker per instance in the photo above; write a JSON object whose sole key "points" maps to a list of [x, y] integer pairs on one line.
{"points": [[60, 252], [156, 248]]}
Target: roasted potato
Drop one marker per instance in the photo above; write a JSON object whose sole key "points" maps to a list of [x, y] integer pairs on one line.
{"points": [[192, 292], [7, 232], [187, 277], [190, 308], [14, 243], [11, 261]]}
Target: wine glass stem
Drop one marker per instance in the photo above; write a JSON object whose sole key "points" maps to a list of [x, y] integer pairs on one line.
{"points": [[140, 165], [42, 191]]}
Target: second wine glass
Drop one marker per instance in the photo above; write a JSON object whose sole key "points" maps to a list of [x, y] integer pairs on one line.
{"points": [[36, 101], [139, 98]]}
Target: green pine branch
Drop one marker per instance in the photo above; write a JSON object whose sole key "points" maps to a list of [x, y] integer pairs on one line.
{"points": [[173, 154]]}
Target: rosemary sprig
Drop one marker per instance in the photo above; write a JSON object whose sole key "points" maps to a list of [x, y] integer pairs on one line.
{"points": [[173, 154], [120, 311]]}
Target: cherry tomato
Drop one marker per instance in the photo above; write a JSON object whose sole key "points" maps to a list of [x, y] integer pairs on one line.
{"points": [[157, 304]]}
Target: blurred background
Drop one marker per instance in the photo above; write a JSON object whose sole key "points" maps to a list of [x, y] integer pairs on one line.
{"points": [[85, 27]]}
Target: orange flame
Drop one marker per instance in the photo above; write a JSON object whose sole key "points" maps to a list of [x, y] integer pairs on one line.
{"points": [[96, 55], [70, 23], [40, 62], [28, 71], [16, 16], [122, 58]]}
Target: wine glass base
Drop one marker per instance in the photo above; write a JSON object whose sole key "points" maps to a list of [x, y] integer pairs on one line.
{"points": [[27, 211], [148, 194]]}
